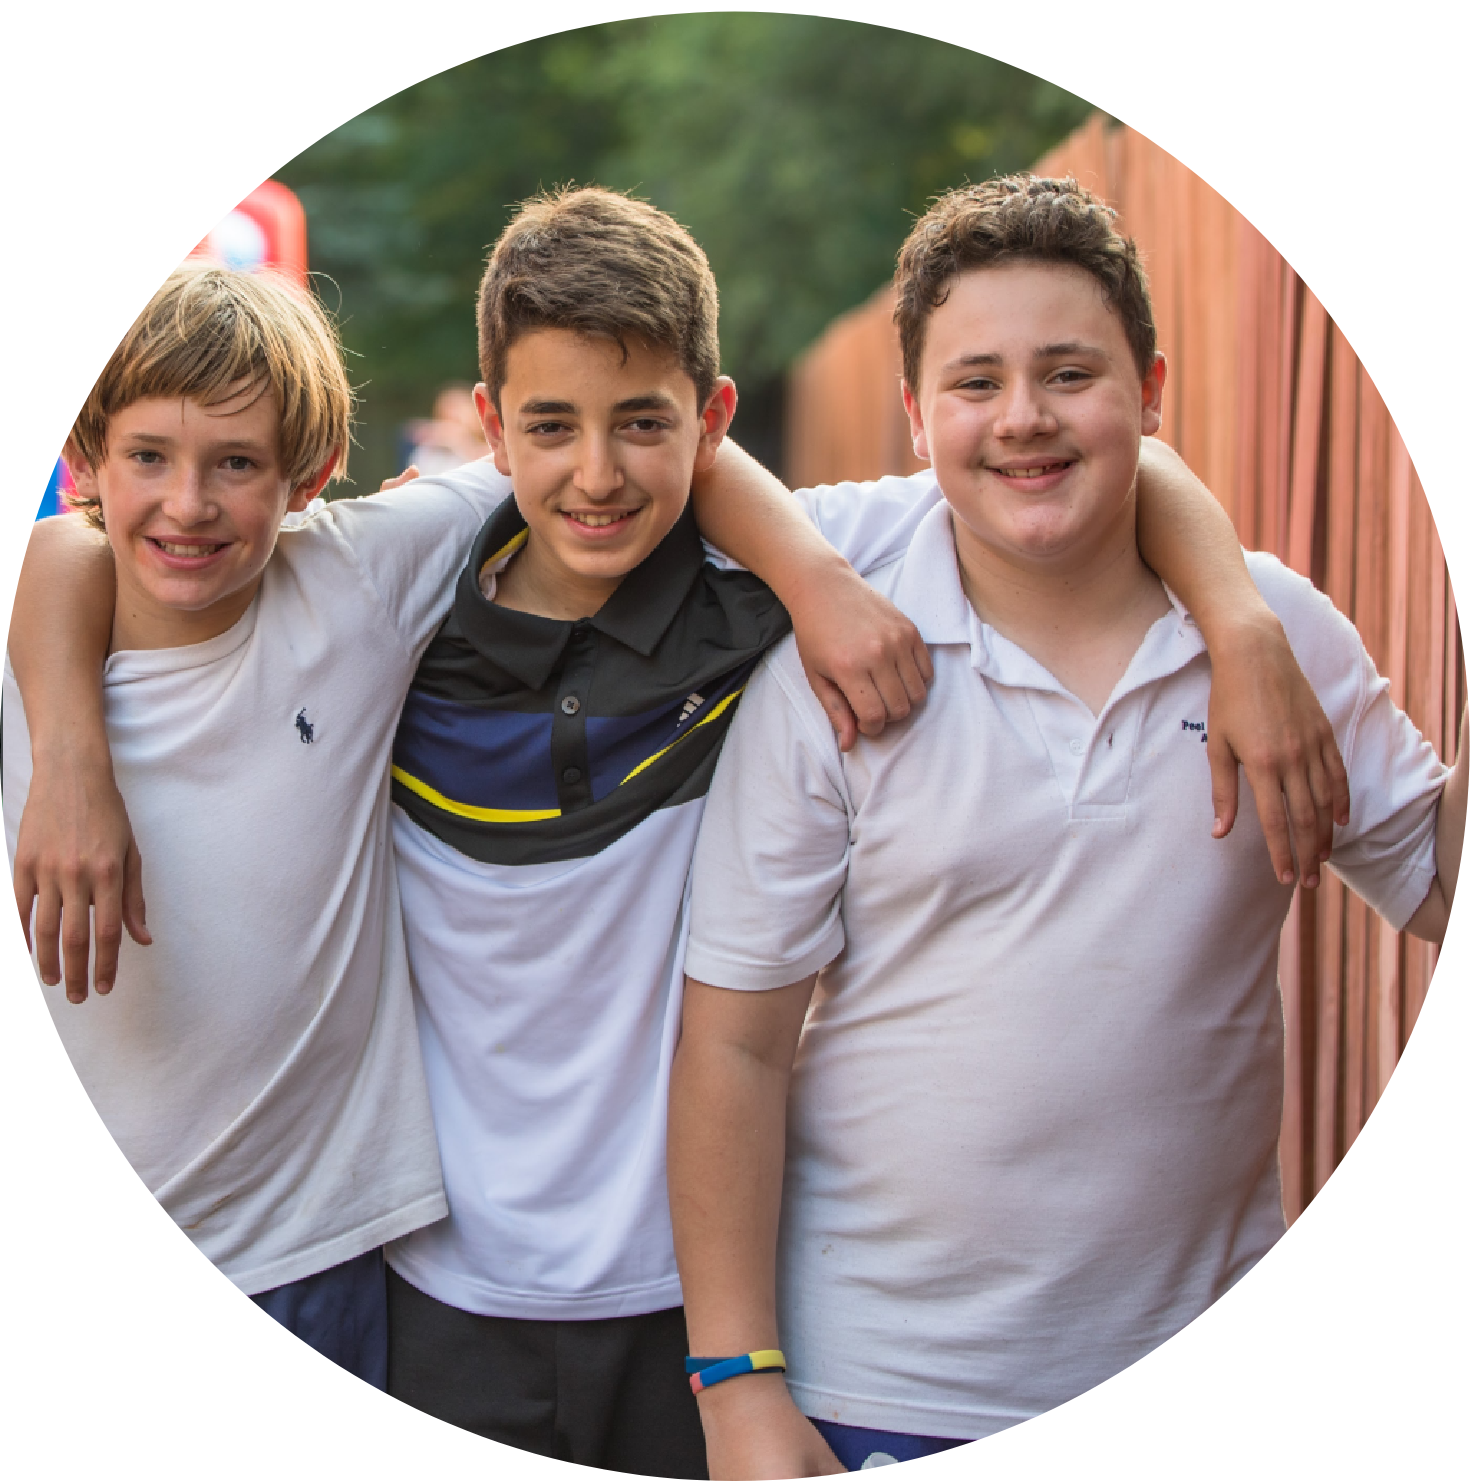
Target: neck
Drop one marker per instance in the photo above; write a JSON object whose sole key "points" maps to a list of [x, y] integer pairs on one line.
{"points": [[533, 582], [139, 622], [1082, 619]]}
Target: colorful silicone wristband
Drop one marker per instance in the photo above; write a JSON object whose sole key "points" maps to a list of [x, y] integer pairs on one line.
{"points": [[706, 1372]]}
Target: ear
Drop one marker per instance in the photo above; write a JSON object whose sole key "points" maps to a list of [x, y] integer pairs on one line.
{"points": [[918, 436], [84, 477], [493, 428], [308, 491], [717, 414], [1151, 393]]}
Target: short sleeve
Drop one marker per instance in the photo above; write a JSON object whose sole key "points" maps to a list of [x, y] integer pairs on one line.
{"points": [[411, 542], [772, 855], [1386, 851], [871, 524]]}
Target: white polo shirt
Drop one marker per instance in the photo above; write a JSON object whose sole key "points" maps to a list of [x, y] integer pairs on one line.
{"points": [[1035, 1109]]}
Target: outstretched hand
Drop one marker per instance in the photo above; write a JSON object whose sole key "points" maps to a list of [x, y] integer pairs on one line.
{"points": [[864, 659], [1263, 715], [77, 863]]}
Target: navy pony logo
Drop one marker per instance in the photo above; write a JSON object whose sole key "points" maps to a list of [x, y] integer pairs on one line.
{"points": [[305, 728]]}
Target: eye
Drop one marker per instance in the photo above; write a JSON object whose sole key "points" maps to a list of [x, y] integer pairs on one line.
{"points": [[146, 456], [1069, 375], [646, 426], [545, 429], [979, 384], [239, 463]]}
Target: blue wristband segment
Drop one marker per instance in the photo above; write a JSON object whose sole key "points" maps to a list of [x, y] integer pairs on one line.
{"points": [[706, 1372]]}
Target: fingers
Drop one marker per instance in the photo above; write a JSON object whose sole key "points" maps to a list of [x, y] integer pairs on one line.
{"points": [[413, 472], [920, 667], [885, 700], [1335, 773], [1304, 816], [46, 929], [76, 937], [1269, 800], [133, 898], [107, 924], [839, 712], [1224, 766]]}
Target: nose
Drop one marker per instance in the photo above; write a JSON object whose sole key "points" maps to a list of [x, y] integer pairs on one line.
{"points": [[1023, 411], [188, 499], [597, 473]]}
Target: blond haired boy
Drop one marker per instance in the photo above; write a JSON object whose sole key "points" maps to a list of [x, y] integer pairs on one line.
{"points": [[258, 1064]]}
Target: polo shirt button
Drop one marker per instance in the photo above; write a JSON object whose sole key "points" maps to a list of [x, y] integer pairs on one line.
{"points": [[1077, 746], [571, 775], [570, 704]]}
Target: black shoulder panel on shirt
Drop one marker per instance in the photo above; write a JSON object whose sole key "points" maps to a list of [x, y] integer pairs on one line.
{"points": [[525, 740]]}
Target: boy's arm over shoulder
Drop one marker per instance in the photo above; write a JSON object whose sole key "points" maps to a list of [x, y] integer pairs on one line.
{"points": [[1386, 852], [864, 659], [75, 860], [1262, 715], [411, 541]]}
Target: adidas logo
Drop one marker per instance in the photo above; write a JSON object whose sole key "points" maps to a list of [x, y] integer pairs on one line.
{"points": [[691, 704]]}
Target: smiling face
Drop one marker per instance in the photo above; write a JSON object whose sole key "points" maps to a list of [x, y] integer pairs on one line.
{"points": [[602, 450], [1031, 408], [192, 497]]}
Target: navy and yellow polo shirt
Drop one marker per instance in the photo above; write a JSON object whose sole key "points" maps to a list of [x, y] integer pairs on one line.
{"points": [[526, 740], [551, 780]]}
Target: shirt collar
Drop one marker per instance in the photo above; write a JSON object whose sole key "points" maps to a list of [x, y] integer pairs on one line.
{"points": [[930, 594], [637, 613]]}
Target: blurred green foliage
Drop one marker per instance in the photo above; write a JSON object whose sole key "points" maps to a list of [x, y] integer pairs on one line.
{"points": [[796, 149]]}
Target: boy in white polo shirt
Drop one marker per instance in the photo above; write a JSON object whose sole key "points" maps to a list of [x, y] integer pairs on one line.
{"points": [[978, 1093]]}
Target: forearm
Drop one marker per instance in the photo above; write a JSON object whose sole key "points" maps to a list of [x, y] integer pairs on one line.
{"points": [[1187, 539], [59, 635], [751, 515], [726, 1151]]}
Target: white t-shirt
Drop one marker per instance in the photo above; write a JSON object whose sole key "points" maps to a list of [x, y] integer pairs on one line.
{"points": [[258, 1064], [1035, 1109], [548, 998]]}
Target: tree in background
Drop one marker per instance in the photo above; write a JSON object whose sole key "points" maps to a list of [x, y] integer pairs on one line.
{"points": [[796, 149]]}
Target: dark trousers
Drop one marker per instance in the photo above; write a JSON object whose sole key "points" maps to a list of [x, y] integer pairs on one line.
{"points": [[609, 1393], [316, 1376]]}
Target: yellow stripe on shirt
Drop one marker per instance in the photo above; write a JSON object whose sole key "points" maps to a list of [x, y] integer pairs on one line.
{"points": [[714, 714], [466, 810]]}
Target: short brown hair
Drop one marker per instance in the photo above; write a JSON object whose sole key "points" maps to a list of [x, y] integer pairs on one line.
{"points": [[1018, 218], [207, 331], [603, 264]]}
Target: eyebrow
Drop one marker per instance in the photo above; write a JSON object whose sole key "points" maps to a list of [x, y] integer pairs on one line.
{"points": [[153, 439], [1043, 352], [650, 401]]}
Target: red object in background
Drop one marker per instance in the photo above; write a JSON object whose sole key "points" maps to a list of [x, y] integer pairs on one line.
{"points": [[268, 229]]}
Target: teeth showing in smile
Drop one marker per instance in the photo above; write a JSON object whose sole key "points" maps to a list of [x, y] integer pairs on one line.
{"points": [[187, 551], [597, 521], [1031, 472]]}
